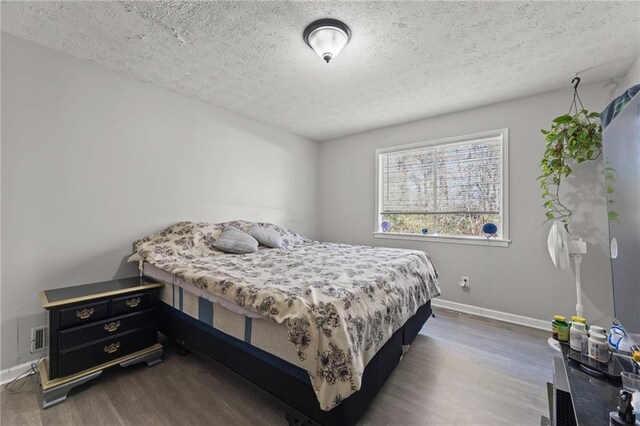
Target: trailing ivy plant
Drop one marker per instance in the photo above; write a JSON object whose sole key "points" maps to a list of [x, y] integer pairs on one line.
{"points": [[572, 139]]}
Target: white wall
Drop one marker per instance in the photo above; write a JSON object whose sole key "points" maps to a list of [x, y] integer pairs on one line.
{"points": [[520, 279], [92, 160], [633, 75]]}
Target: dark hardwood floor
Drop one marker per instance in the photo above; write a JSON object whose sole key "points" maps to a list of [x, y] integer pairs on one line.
{"points": [[461, 370]]}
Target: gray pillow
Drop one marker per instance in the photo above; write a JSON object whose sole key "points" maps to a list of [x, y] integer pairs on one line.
{"points": [[266, 236], [233, 240]]}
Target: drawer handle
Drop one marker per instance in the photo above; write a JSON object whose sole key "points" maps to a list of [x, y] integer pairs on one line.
{"points": [[132, 303], [85, 313], [112, 326], [112, 348]]}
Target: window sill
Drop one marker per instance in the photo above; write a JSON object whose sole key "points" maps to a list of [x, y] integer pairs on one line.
{"points": [[477, 241]]}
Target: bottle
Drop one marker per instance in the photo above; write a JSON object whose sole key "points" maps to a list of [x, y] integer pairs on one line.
{"points": [[617, 336], [563, 331], [598, 345], [560, 323], [584, 344], [577, 333]]}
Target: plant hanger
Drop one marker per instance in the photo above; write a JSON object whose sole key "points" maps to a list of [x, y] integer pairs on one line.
{"points": [[576, 83]]}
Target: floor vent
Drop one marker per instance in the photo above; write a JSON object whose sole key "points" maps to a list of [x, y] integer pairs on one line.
{"points": [[38, 338]]}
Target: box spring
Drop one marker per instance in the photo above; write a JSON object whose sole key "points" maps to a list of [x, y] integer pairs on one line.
{"points": [[286, 382]]}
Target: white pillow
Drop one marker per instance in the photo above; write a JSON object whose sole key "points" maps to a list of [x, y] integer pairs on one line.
{"points": [[235, 241], [266, 236]]}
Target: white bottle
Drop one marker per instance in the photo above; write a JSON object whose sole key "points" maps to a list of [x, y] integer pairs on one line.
{"points": [[577, 331], [598, 346]]}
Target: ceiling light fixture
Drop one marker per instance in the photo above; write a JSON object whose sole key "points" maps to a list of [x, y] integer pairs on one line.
{"points": [[327, 37]]}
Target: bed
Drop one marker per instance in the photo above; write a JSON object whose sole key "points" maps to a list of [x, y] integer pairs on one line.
{"points": [[318, 326]]}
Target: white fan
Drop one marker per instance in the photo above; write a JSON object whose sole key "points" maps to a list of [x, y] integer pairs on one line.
{"points": [[561, 249]]}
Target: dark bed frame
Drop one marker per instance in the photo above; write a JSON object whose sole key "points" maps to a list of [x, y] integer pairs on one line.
{"points": [[288, 383]]}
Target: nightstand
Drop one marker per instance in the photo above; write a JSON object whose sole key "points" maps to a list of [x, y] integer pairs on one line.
{"points": [[96, 326]]}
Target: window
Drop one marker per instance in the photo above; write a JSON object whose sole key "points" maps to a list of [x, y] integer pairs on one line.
{"points": [[445, 189]]}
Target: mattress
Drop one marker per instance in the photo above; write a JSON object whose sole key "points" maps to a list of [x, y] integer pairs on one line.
{"points": [[154, 272], [257, 331]]}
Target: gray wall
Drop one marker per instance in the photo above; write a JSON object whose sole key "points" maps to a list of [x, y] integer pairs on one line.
{"points": [[633, 75], [92, 160], [520, 279]]}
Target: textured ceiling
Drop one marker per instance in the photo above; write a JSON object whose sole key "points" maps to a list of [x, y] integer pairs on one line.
{"points": [[405, 61]]}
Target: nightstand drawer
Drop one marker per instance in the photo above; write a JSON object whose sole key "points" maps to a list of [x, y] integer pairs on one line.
{"points": [[91, 332], [84, 314], [132, 303], [83, 357]]}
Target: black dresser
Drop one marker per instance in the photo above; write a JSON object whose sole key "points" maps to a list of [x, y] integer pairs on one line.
{"points": [[96, 326]]}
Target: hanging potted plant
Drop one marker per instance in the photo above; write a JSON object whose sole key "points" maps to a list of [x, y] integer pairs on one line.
{"points": [[574, 138]]}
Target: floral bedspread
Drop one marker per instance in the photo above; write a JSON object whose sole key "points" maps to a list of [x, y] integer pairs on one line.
{"points": [[340, 303]]}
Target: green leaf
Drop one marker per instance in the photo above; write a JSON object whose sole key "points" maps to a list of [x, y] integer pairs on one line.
{"points": [[563, 119]]}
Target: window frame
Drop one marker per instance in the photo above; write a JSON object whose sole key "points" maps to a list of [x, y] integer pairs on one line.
{"points": [[457, 239]]}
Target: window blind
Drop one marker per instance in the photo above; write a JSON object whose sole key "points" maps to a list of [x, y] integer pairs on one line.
{"points": [[461, 177]]}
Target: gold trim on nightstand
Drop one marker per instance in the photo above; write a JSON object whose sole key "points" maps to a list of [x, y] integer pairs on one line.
{"points": [[43, 299], [47, 304], [48, 384]]}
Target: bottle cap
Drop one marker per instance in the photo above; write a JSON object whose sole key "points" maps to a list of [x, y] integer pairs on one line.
{"points": [[579, 326], [636, 356], [576, 318], [597, 330], [560, 318]]}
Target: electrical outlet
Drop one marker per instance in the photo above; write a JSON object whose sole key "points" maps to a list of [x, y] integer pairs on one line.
{"points": [[38, 338], [464, 282]]}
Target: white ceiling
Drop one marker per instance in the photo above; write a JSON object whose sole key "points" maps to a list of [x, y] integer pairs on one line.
{"points": [[405, 61]]}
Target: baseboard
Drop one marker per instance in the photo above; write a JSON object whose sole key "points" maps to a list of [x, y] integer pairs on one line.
{"points": [[490, 313], [8, 374]]}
